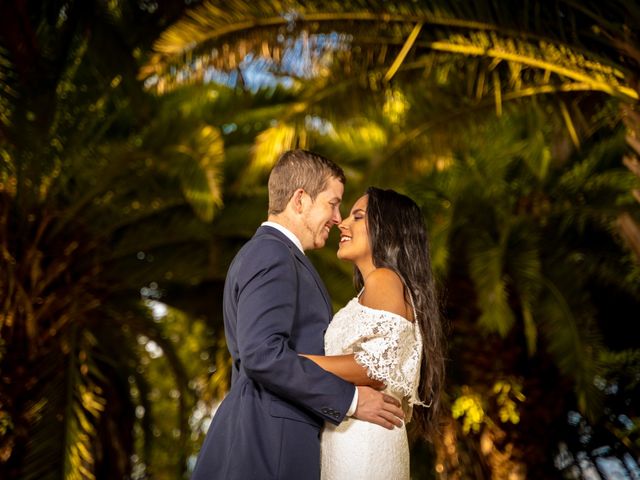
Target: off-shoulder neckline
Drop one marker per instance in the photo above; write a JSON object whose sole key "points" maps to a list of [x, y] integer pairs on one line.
{"points": [[413, 305], [357, 301]]}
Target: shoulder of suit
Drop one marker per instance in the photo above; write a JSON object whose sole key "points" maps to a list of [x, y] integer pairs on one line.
{"points": [[274, 235], [384, 290], [268, 249]]}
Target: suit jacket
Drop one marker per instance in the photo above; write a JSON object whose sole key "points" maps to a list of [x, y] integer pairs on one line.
{"points": [[268, 425]]}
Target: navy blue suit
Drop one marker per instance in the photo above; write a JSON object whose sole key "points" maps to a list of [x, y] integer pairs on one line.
{"points": [[268, 425]]}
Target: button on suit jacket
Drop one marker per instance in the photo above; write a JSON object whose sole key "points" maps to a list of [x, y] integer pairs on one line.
{"points": [[268, 425]]}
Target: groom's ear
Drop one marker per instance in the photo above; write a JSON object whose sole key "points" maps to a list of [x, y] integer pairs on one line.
{"points": [[297, 200]]}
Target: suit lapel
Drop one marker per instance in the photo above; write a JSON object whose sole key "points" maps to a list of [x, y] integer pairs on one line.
{"points": [[302, 258], [314, 273]]}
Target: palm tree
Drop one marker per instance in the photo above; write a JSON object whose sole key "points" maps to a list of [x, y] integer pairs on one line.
{"points": [[105, 192]]}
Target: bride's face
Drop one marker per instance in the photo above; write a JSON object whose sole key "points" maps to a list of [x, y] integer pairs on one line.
{"points": [[354, 236]]}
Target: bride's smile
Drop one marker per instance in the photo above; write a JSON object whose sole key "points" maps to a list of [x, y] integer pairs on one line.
{"points": [[354, 243]]}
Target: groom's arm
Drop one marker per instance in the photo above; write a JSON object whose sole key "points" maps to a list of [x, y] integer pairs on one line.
{"points": [[267, 296], [372, 406], [345, 367]]}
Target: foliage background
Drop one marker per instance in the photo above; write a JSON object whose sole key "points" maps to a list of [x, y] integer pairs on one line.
{"points": [[135, 142]]}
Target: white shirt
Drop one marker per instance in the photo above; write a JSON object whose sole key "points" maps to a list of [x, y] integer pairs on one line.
{"points": [[285, 231], [296, 241]]}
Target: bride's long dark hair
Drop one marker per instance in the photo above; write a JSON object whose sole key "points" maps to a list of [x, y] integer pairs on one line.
{"points": [[398, 238]]}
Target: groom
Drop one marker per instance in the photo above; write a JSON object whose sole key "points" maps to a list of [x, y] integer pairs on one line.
{"points": [[275, 305]]}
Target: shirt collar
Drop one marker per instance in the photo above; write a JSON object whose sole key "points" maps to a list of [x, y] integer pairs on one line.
{"points": [[285, 231]]}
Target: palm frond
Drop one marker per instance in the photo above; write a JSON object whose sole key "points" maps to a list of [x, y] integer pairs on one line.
{"points": [[66, 414], [376, 36], [619, 361], [360, 131], [190, 151], [439, 218], [198, 165], [524, 268], [539, 60], [138, 331], [269, 145], [574, 344], [125, 373], [486, 267], [7, 94], [596, 181]]}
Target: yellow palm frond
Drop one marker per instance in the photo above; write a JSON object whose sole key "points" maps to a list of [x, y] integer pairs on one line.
{"points": [[386, 36], [268, 147], [544, 57]]}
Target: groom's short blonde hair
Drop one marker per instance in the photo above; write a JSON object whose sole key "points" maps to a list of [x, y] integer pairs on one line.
{"points": [[299, 169]]}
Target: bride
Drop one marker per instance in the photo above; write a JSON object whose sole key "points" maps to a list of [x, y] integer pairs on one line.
{"points": [[390, 332]]}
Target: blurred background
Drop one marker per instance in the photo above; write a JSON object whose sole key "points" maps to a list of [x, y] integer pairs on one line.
{"points": [[135, 142]]}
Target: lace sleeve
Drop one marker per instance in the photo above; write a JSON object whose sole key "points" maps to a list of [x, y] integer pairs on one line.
{"points": [[389, 347]]}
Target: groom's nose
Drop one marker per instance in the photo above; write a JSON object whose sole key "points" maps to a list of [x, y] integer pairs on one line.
{"points": [[336, 218]]}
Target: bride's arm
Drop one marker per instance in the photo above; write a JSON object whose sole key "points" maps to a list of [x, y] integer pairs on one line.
{"points": [[345, 367]]}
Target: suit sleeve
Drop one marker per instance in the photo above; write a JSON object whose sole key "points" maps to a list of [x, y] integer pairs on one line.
{"points": [[266, 299]]}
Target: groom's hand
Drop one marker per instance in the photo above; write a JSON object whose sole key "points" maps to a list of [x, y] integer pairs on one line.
{"points": [[378, 408]]}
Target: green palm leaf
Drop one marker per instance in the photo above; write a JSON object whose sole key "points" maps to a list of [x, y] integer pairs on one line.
{"points": [[573, 342], [487, 271], [376, 36]]}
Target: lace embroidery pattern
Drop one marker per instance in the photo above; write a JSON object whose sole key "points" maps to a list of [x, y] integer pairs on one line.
{"points": [[387, 345]]}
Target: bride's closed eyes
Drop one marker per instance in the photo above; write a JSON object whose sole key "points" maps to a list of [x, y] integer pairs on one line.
{"points": [[358, 214]]}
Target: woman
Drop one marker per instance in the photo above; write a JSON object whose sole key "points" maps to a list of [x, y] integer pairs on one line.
{"points": [[390, 332]]}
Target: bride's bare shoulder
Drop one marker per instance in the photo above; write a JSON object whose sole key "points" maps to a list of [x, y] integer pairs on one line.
{"points": [[384, 290]]}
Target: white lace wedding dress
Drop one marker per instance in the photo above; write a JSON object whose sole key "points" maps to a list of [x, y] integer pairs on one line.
{"points": [[389, 347]]}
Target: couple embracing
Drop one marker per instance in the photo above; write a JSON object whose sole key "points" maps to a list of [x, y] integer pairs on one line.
{"points": [[314, 396]]}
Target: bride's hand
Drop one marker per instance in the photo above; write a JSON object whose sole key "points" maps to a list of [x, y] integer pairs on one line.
{"points": [[378, 408]]}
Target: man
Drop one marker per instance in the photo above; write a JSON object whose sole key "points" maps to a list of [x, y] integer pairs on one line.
{"points": [[275, 305]]}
